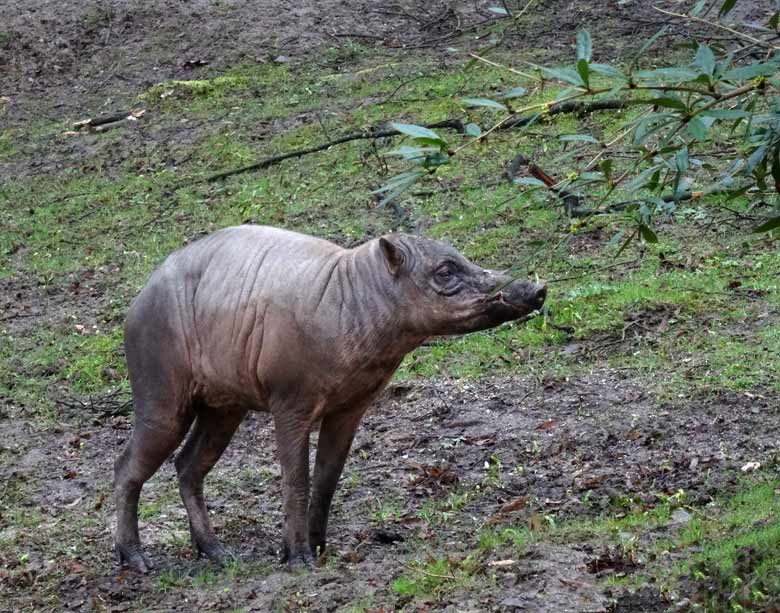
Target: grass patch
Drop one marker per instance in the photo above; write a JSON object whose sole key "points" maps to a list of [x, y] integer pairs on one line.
{"points": [[198, 88], [435, 577], [223, 575], [435, 512], [438, 576], [6, 145], [99, 362], [738, 565], [727, 551], [494, 538]]}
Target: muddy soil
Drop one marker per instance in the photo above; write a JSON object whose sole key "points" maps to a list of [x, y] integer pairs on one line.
{"points": [[522, 451], [60, 55], [80, 55]]}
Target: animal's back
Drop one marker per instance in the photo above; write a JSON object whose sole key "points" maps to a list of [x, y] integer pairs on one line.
{"points": [[211, 272], [205, 310]]}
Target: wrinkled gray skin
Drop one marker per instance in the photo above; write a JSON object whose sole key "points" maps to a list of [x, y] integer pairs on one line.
{"points": [[261, 319]]}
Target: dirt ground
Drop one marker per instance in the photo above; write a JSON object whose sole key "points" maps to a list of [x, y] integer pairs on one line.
{"points": [[553, 442], [554, 448], [81, 56]]}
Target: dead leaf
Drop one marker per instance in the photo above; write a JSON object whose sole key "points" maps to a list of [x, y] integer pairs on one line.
{"points": [[353, 556], [591, 483], [681, 516], [513, 601], [546, 425], [74, 566], [750, 466], [536, 522], [409, 519], [502, 563], [514, 505], [480, 440]]}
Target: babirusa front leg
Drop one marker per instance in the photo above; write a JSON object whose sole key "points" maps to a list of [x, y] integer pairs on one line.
{"points": [[292, 440]]}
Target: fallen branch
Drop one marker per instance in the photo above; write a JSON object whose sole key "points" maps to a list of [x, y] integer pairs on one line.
{"points": [[454, 124], [106, 122], [572, 106], [109, 405]]}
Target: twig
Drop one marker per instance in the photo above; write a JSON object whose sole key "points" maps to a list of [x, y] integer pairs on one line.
{"points": [[17, 316], [108, 405], [426, 573], [525, 8], [108, 119], [713, 24], [572, 202], [69, 196], [358, 35], [108, 34], [611, 143], [507, 9], [734, 93], [595, 270], [434, 21], [576, 106], [397, 89], [90, 211], [676, 197], [322, 125], [497, 65]]}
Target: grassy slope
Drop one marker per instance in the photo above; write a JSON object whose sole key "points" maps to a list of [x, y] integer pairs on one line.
{"points": [[669, 315]]}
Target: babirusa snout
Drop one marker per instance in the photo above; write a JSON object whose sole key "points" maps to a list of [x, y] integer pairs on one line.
{"points": [[527, 293], [522, 294]]}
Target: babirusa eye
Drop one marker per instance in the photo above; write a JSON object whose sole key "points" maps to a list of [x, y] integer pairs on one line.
{"points": [[444, 273]]}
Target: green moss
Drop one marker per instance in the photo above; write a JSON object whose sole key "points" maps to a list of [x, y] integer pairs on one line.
{"points": [[196, 88], [98, 361], [6, 145]]}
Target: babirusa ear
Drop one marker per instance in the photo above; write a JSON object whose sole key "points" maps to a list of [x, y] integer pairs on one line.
{"points": [[394, 258]]}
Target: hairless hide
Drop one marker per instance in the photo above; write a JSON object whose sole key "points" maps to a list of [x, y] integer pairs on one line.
{"points": [[261, 319]]}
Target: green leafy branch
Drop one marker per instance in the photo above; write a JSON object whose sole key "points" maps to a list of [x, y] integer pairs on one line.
{"points": [[686, 107]]}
